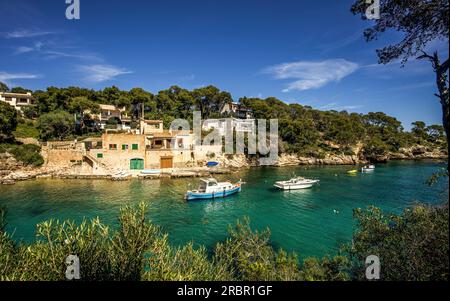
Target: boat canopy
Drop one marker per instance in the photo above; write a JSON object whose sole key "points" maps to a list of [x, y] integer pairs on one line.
{"points": [[209, 181]]}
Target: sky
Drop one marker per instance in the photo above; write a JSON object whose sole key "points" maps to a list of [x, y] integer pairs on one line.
{"points": [[307, 52]]}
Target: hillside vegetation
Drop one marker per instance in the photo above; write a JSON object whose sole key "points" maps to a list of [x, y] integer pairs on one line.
{"points": [[303, 130]]}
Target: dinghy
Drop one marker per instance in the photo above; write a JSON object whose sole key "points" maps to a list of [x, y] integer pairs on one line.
{"points": [[211, 189], [150, 171], [368, 168], [212, 164]]}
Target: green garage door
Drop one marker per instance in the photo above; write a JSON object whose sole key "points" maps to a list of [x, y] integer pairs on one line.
{"points": [[136, 164]]}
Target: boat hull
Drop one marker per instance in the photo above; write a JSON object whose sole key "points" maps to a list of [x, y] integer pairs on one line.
{"points": [[294, 186], [191, 196]]}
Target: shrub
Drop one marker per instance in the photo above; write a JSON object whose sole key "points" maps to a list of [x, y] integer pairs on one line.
{"points": [[29, 154], [411, 246]]}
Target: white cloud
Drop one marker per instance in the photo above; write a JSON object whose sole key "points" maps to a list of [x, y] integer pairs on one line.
{"points": [[312, 74], [25, 49], [26, 34], [6, 77], [335, 106], [101, 73]]}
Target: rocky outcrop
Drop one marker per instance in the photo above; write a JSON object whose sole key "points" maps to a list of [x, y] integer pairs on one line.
{"points": [[417, 152], [329, 159], [12, 170], [234, 161]]}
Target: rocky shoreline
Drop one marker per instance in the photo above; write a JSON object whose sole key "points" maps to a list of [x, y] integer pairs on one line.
{"points": [[12, 171]]}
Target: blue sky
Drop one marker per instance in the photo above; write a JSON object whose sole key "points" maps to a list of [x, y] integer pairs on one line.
{"points": [[310, 52]]}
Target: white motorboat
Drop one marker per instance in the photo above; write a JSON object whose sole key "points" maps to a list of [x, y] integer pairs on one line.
{"points": [[295, 183], [368, 168]]}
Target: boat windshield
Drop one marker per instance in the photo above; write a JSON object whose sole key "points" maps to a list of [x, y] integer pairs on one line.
{"points": [[202, 186]]}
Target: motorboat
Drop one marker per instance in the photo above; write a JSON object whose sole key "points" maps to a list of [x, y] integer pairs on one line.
{"points": [[295, 183], [211, 189], [353, 171], [368, 168], [120, 176]]}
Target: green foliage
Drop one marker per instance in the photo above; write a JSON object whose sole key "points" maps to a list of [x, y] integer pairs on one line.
{"points": [[411, 246], [327, 269], [26, 129], [103, 255], [186, 263], [29, 154], [30, 112], [247, 255], [302, 129], [56, 125], [3, 87], [20, 90], [8, 120]]}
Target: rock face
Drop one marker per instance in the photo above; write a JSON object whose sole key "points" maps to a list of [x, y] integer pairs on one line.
{"points": [[11, 170], [292, 159], [418, 152]]}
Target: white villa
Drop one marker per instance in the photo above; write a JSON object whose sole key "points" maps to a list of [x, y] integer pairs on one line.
{"points": [[17, 100], [108, 112], [239, 125]]}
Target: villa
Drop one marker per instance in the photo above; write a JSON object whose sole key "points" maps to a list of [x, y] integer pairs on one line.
{"points": [[112, 114], [17, 100], [236, 110], [221, 125]]}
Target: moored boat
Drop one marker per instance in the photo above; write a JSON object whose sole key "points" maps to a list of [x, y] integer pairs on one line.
{"points": [[212, 164], [150, 171], [368, 168], [211, 189], [295, 183]]}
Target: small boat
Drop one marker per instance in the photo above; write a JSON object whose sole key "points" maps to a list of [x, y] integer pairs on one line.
{"points": [[368, 168], [352, 171], [151, 171], [211, 189], [295, 183], [120, 176], [212, 163]]}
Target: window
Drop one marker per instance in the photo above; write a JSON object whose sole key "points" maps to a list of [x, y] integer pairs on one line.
{"points": [[99, 155], [8, 98], [124, 146], [113, 146], [180, 142], [135, 147]]}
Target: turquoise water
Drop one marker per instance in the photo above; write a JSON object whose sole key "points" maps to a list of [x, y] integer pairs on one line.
{"points": [[303, 221]]}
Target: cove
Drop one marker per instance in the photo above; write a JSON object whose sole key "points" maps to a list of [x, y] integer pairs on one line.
{"points": [[303, 221]]}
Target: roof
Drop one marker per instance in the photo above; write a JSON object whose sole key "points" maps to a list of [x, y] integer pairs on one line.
{"points": [[153, 121], [208, 180], [92, 139], [16, 94], [110, 107], [164, 134]]}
